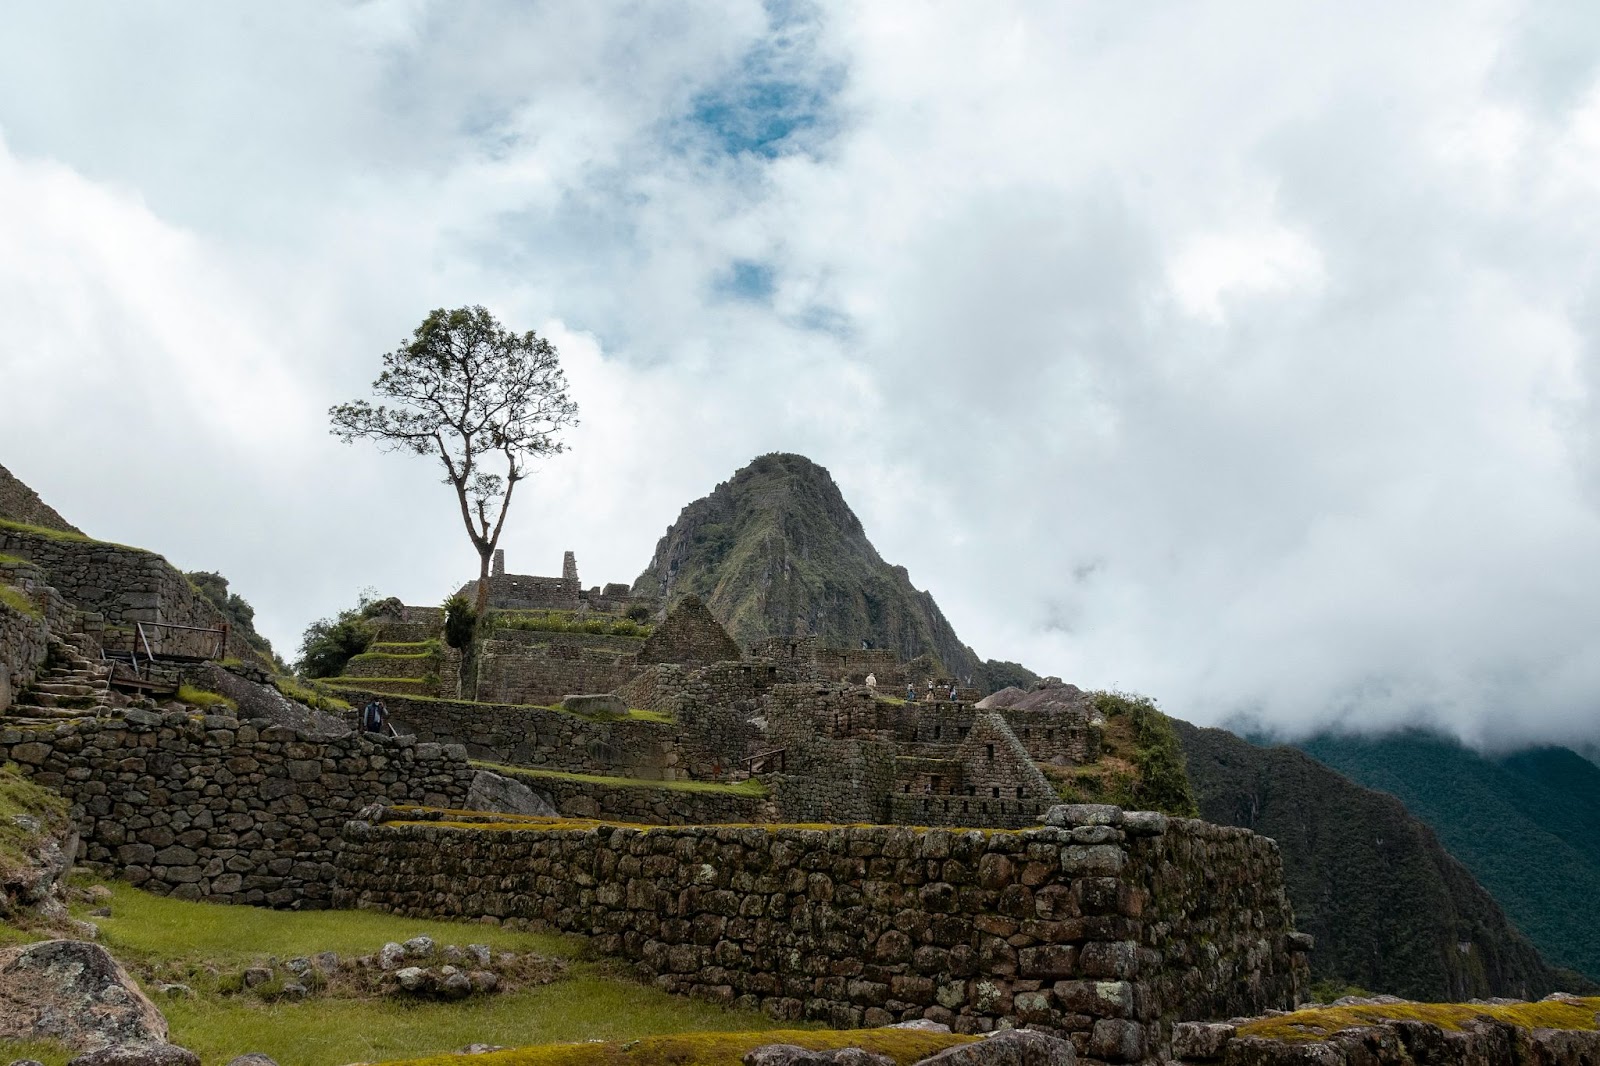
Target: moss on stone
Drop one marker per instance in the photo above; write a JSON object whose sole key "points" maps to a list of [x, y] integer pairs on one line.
{"points": [[1320, 1022], [199, 697], [904, 1046], [15, 599], [21, 797]]}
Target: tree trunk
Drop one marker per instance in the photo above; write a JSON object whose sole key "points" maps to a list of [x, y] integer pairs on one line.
{"points": [[483, 582]]}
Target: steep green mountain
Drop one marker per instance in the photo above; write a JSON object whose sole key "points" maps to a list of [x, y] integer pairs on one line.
{"points": [[776, 551], [1392, 911], [1527, 825]]}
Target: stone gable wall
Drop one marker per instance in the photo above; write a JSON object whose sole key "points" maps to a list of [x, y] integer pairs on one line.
{"points": [[1056, 928], [210, 807], [689, 634]]}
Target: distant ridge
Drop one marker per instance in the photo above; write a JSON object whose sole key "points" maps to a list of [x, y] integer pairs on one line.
{"points": [[1392, 911], [775, 551], [1526, 824]]}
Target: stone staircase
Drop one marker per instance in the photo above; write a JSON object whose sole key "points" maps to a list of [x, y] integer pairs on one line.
{"points": [[70, 686]]}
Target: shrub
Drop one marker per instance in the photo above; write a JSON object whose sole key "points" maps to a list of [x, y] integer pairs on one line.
{"points": [[460, 621], [330, 643]]}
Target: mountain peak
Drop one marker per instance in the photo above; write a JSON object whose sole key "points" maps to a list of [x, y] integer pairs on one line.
{"points": [[775, 551]]}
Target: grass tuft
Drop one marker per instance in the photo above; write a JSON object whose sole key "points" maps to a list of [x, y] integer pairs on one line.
{"points": [[199, 697], [15, 599]]}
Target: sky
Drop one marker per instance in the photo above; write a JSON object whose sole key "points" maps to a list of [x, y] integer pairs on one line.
{"points": [[1244, 355]]}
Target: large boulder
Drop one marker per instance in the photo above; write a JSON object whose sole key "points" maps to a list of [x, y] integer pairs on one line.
{"points": [[504, 795], [73, 992], [139, 1055]]}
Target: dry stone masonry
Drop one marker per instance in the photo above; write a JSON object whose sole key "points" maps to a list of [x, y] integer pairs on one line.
{"points": [[1106, 927], [214, 807]]}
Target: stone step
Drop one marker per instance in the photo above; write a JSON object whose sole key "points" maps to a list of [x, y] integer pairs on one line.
{"points": [[63, 688]]}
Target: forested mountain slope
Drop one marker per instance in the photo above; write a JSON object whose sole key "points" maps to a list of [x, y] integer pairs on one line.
{"points": [[1392, 911], [1527, 825]]}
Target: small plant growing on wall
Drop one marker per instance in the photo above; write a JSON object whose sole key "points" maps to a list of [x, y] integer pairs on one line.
{"points": [[460, 621]]}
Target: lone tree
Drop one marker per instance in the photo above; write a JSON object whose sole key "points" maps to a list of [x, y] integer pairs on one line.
{"points": [[476, 396]]}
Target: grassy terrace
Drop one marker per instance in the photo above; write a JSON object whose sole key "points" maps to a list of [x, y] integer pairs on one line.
{"points": [[8, 526], [635, 715], [749, 787], [207, 946], [1317, 1023]]}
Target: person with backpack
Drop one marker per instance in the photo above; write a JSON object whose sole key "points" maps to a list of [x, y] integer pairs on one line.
{"points": [[375, 718]]}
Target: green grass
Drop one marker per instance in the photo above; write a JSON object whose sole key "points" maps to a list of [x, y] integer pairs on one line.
{"points": [[634, 715], [714, 1049], [328, 1032], [13, 560], [47, 1052], [8, 526], [368, 655], [596, 1000], [20, 796], [565, 622], [145, 926], [310, 696], [748, 787], [17, 601], [351, 681], [199, 697]]}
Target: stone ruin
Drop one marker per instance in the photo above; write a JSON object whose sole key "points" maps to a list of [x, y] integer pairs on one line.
{"points": [[750, 888]]}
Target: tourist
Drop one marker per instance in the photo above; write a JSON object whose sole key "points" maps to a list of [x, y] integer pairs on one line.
{"points": [[911, 692], [872, 680], [929, 695], [375, 717], [952, 692]]}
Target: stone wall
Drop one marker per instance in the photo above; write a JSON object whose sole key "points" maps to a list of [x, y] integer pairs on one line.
{"points": [[512, 672], [689, 634], [25, 631], [124, 585], [545, 738], [212, 807], [645, 804], [1059, 928]]}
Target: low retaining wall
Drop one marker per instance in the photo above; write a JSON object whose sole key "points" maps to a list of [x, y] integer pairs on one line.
{"points": [[543, 738], [1106, 933], [642, 803], [212, 807]]}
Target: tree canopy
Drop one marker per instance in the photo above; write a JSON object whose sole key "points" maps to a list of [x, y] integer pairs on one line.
{"points": [[481, 399]]}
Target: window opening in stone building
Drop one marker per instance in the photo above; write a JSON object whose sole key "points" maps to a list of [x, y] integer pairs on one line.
{"points": [[996, 791], [935, 732], [1019, 792], [989, 748]]}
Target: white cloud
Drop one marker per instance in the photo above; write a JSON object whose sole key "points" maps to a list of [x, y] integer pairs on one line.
{"points": [[1243, 356]]}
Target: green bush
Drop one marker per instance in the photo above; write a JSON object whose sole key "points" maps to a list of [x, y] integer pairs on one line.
{"points": [[460, 621], [1163, 783], [330, 643]]}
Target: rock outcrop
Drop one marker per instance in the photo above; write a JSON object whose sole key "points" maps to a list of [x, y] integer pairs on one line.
{"points": [[74, 993]]}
